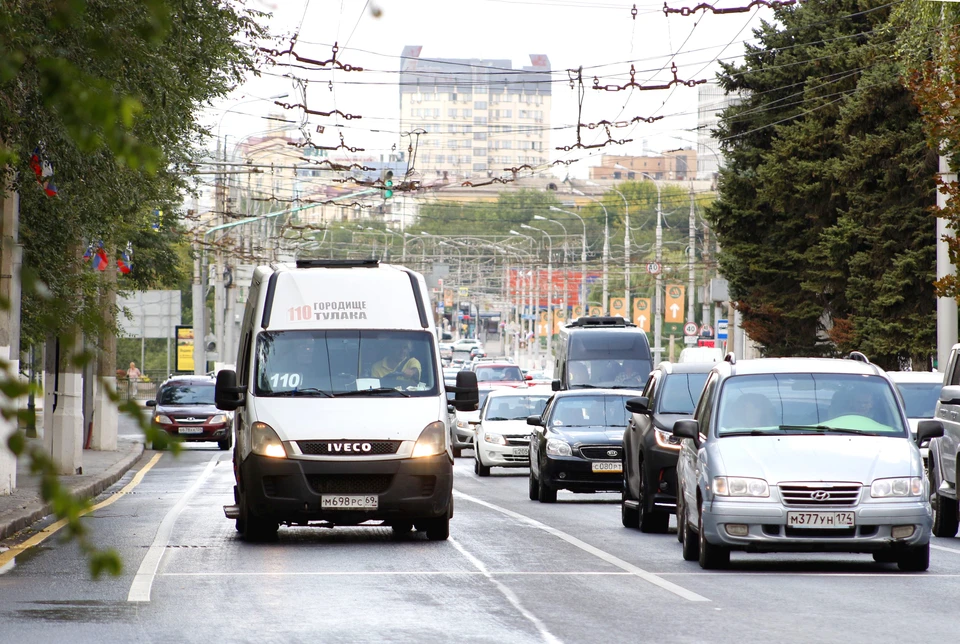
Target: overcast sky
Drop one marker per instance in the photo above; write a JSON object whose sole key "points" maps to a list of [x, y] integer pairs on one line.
{"points": [[599, 35]]}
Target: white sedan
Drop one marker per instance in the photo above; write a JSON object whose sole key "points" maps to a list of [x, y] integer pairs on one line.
{"points": [[503, 436]]}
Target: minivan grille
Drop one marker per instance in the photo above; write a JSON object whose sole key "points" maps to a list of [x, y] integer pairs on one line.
{"points": [[602, 452], [820, 493], [349, 483], [327, 448]]}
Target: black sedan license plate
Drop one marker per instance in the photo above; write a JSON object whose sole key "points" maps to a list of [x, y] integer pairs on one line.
{"points": [[821, 519], [349, 501]]}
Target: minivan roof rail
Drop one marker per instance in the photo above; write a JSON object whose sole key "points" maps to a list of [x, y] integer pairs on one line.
{"points": [[338, 263], [858, 356], [607, 320]]}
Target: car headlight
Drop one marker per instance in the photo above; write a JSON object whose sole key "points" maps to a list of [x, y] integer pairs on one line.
{"points": [[904, 486], [265, 442], [740, 486], [462, 424], [496, 439], [432, 441], [557, 447], [162, 419], [666, 439], [216, 420]]}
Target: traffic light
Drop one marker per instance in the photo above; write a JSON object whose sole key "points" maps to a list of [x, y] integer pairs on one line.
{"points": [[386, 178]]}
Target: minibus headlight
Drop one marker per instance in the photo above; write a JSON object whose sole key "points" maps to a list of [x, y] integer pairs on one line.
{"points": [[432, 441], [265, 442]]}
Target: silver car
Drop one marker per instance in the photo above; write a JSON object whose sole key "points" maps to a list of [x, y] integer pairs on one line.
{"points": [[802, 454]]}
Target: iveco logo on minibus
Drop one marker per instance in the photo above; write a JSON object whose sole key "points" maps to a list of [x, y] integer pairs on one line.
{"points": [[338, 448]]}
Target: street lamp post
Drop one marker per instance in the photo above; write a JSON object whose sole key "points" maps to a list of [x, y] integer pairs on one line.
{"points": [[583, 253], [549, 287], [530, 284], [606, 250], [658, 319], [626, 249], [566, 309]]}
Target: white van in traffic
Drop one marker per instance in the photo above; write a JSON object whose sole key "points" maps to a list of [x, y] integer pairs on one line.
{"points": [[340, 407]]}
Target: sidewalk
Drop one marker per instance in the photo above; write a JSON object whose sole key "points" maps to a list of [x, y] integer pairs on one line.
{"points": [[100, 470]]}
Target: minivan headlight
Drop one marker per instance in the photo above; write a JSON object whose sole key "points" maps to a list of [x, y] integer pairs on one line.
{"points": [[432, 441], [557, 447], [903, 486], [666, 439], [740, 486], [265, 442]]}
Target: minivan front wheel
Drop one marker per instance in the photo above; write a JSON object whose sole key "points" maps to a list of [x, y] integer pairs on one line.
{"points": [[915, 559], [946, 513], [711, 556]]}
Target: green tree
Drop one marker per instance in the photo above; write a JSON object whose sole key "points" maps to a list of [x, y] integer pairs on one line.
{"points": [[821, 202]]}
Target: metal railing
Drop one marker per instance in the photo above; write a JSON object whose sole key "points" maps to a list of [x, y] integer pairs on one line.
{"points": [[142, 388]]}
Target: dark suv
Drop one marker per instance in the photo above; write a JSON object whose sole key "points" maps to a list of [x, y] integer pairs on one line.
{"points": [[184, 408], [649, 448]]}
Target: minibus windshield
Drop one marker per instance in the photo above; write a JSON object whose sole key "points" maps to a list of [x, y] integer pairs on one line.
{"points": [[358, 363]]}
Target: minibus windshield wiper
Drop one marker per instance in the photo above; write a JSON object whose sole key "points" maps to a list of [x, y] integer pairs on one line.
{"points": [[306, 391], [374, 391], [823, 428]]}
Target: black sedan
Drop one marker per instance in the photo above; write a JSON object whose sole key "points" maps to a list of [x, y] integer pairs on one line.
{"points": [[649, 448], [577, 443]]}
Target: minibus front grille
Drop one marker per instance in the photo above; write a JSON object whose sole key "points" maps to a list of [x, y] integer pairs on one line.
{"points": [[348, 448], [349, 483]]}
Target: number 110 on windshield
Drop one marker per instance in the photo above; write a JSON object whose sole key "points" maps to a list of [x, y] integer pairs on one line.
{"points": [[285, 379]]}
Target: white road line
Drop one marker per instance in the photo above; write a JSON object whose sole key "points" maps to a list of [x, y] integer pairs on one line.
{"points": [[509, 594], [586, 547], [394, 573], [143, 580], [953, 550]]}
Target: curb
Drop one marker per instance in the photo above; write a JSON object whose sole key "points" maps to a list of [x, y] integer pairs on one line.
{"points": [[37, 510]]}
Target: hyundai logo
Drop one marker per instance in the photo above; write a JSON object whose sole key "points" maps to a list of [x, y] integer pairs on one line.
{"points": [[820, 495], [344, 447], [611, 452]]}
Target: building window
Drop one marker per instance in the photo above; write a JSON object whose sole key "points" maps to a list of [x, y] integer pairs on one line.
{"points": [[452, 113], [479, 167], [507, 114], [453, 97], [479, 136], [467, 113], [479, 152], [616, 175], [451, 128], [479, 120], [479, 105]]}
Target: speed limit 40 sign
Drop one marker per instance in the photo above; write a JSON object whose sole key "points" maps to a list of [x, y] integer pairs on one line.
{"points": [[690, 328]]}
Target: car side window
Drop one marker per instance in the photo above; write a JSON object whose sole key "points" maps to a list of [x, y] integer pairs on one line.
{"points": [[704, 409], [955, 376], [649, 390]]}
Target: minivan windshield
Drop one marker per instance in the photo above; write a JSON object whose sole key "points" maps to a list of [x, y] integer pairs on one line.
{"points": [[608, 359], [345, 362], [920, 398], [802, 403]]}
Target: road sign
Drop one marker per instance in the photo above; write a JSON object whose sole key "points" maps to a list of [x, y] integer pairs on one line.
{"points": [[596, 311], [464, 291], [618, 306], [721, 329], [690, 328], [641, 313], [653, 268], [706, 331], [673, 309]]}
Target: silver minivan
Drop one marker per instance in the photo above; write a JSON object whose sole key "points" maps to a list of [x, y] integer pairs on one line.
{"points": [[802, 454]]}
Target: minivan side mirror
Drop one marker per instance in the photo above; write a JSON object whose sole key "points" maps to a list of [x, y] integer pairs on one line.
{"points": [[950, 395], [467, 395], [927, 429], [151, 403], [687, 428], [536, 421], [228, 396], [555, 385], [638, 405]]}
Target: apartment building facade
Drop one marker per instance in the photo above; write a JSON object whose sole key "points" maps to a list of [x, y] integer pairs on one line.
{"points": [[477, 118]]}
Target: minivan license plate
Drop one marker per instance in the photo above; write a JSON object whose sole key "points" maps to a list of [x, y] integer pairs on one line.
{"points": [[349, 501], [820, 519], [607, 466]]}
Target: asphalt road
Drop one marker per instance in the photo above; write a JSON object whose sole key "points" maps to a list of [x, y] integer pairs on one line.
{"points": [[513, 571]]}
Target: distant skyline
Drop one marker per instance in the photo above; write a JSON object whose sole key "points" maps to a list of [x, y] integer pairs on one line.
{"points": [[599, 36]]}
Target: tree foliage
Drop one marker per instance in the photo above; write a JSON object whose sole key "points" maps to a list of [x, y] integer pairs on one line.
{"points": [[821, 215]]}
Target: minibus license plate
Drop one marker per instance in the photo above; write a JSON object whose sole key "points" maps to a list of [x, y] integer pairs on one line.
{"points": [[820, 519], [191, 430], [607, 466], [349, 501]]}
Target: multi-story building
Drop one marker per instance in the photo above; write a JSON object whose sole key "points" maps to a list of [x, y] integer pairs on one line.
{"points": [[711, 101], [477, 117], [672, 165]]}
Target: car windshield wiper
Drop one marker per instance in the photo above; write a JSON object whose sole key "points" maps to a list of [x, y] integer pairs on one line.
{"points": [[749, 432], [623, 387], [823, 428], [501, 418], [586, 386], [306, 391], [374, 391]]}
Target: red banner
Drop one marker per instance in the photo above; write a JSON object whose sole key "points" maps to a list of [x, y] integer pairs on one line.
{"points": [[537, 280]]}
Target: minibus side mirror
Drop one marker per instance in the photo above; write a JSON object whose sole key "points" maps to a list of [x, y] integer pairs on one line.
{"points": [[228, 396], [555, 385], [467, 394]]}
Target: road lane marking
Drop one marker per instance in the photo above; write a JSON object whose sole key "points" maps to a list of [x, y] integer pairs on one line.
{"points": [[7, 557], [143, 580], [586, 547], [509, 594], [953, 550], [395, 573]]}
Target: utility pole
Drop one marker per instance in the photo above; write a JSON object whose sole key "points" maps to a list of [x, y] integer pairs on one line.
{"points": [[692, 251], [606, 260]]}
